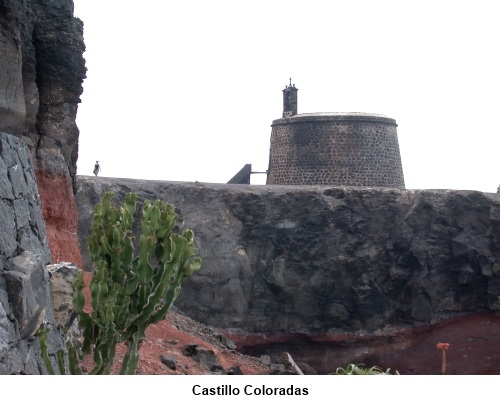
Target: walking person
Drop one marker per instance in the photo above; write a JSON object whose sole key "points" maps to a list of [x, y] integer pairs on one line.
{"points": [[97, 168]]}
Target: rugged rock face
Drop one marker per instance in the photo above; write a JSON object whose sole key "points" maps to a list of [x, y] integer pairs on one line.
{"points": [[25, 289], [41, 75], [12, 100], [22, 227], [287, 264]]}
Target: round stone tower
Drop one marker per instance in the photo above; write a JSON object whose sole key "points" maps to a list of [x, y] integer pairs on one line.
{"points": [[334, 149]]}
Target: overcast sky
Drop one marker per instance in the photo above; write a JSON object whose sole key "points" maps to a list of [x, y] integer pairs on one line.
{"points": [[187, 90]]}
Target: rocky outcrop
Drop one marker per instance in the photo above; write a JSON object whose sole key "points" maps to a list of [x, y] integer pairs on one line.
{"points": [[25, 288], [41, 75], [284, 264], [62, 279], [12, 98], [22, 223]]}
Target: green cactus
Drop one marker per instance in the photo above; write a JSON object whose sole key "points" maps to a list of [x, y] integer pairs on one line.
{"points": [[130, 292], [44, 351]]}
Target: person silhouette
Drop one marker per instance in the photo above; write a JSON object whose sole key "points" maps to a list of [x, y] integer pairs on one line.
{"points": [[97, 168]]}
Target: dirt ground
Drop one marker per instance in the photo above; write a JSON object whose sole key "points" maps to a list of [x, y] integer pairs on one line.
{"points": [[170, 337]]}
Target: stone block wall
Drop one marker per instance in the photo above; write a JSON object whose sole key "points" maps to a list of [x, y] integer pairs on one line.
{"points": [[335, 150]]}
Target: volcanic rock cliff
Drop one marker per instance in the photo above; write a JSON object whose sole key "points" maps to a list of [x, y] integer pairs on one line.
{"points": [[41, 75], [336, 274], [25, 289]]}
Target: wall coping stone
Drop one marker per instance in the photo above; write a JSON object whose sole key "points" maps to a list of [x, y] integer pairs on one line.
{"points": [[335, 117]]}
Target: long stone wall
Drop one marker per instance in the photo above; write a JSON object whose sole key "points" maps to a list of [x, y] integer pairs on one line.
{"points": [[334, 149]]}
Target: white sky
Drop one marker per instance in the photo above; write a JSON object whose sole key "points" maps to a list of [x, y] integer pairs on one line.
{"points": [[187, 90]]}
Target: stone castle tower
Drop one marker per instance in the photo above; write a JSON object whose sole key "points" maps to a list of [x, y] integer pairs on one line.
{"points": [[333, 149]]}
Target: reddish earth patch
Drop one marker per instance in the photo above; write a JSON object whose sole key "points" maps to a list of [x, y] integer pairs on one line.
{"points": [[474, 341], [61, 217], [169, 337]]}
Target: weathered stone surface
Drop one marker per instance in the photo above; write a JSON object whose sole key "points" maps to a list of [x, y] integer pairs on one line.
{"points": [[235, 370], [169, 361], [62, 278], [12, 101], [319, 271], [335, 149], [10, 360], [28, 287], [21, 223], [25, 290], [41, 75], [290, 365], [315, 259], [60, 70], [41, 44]]}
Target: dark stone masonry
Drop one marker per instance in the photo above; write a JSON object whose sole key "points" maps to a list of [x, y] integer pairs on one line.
{"points": [[335, 149]]}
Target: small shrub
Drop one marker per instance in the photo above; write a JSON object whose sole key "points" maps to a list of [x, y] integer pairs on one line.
{"points": [[360, 369]]}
